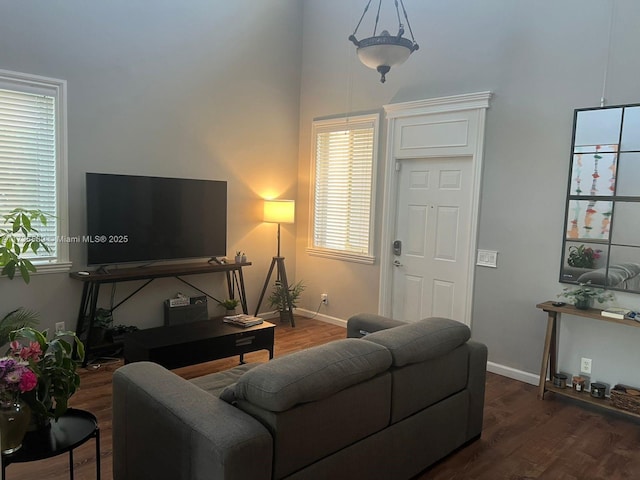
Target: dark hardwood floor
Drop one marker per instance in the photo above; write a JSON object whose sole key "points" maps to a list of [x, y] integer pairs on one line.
{"points": [[523, 438]]}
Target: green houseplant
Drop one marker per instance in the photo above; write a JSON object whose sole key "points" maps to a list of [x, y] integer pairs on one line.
{"points": [[583, 257], [278, 297], [14, 320], [54, 362], [17, 237], [584, 295], [229, 305]]}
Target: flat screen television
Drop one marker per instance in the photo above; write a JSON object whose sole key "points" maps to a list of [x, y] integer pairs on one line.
{"points": [[142, 219]]}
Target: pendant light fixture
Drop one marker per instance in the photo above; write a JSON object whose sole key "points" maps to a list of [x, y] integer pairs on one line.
{"points": [[381, 52]]}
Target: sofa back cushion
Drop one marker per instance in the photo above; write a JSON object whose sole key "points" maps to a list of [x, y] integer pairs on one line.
{"points": [[309, 375], [430, 363], [312, 431], [422, 340]]}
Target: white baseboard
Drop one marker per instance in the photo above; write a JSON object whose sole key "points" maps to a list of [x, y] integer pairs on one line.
{"points": [[308, 314], [323, 318], [526, 377]]}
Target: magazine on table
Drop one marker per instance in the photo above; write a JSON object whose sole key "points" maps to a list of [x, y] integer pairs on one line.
{"points": [[242, 320]]}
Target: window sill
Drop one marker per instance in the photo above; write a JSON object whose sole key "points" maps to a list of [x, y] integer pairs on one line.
{"points": [[51, 267], [339, 255]]}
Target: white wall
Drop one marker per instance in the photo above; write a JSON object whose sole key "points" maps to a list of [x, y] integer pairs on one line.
{"points": [[541, 60], [198, 89]]}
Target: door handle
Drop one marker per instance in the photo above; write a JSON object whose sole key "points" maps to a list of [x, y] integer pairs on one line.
{"points": [[396, 263]]}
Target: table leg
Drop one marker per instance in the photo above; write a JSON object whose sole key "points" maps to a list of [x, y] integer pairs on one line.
{"points": [[242, 359], [547, 355], [97, 453], [71, 464]]}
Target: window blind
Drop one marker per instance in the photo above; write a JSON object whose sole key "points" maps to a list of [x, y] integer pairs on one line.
{"points": [[344, 160], [28, 158]]}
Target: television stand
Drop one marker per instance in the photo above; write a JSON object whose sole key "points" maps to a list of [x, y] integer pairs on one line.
{"points": [[93, 281]]}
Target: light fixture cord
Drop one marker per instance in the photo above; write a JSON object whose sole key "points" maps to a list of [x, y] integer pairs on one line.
{"points": [[404, 11], [375, 27], [606, 64], [400, 27], [363, 14]]}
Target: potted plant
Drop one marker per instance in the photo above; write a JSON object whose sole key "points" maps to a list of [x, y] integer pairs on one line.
{"points": [[584, 296], [278, 297], [582, 257], [238, 258], [18, 237], [102, 323], [229, 305], [14, 320], [16, 379], [54, 363]]}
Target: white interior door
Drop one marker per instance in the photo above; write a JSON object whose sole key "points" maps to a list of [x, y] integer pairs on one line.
{"points": [[431, 270]]}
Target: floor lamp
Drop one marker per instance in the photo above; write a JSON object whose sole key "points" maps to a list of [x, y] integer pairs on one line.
{"points": [[279, 211]]}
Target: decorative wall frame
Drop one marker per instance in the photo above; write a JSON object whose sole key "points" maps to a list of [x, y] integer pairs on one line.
{"points": [[601, 241]]}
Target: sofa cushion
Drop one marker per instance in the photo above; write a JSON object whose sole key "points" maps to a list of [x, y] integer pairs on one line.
{"points": [[421, 340], [215, 383], [309, 375]]}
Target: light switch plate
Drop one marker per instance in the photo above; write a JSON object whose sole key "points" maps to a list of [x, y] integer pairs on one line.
{"points": [[487, 258]]}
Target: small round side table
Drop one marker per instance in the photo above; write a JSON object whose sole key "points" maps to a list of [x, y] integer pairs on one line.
{"points": [[71, 430]]}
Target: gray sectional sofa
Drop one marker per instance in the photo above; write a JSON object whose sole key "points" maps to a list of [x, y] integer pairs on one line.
{"points": [[384, 406]]}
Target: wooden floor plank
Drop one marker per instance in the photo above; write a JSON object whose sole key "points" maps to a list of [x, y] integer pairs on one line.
{"points": [[523, 437]]}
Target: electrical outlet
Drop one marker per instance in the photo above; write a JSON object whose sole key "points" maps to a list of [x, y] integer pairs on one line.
{"points": [[60, 327], [585, 365], [324, 298]]}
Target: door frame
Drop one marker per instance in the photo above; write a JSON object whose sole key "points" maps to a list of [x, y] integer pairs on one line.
{"points": [[451, 126]]}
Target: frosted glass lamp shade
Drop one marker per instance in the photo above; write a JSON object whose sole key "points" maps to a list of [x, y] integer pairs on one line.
{"points": [[378, 54], [384, 51], [279, 211]]}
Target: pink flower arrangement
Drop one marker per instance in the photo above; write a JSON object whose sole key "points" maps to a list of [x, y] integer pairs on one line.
{"points": [[15, 378], [33, 351]]}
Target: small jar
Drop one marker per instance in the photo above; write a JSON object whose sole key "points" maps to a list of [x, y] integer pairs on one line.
{"points": [[598, 389], [578, 383], [560, 380]]}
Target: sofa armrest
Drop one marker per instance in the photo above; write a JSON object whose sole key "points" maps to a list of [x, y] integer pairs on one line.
{"points": [[365, 323], [166, 427]]}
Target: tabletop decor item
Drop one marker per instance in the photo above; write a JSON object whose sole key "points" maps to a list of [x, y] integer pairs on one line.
{"points": [[626, 398], [598, 389], [229, 305], [54, 364], [16, 379], [584, 295]]}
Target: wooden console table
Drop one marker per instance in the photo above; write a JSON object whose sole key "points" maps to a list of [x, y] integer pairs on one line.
{"points": [[93, 280], [550, 354]]}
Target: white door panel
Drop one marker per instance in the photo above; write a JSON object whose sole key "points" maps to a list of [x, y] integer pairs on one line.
{"points": [[433, 222]]}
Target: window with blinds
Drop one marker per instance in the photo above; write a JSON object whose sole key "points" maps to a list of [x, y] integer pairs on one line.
{"points": [[343, 185], [32, 162]]}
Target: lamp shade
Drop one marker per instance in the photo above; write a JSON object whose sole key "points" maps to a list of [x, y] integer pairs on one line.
{"points": [[384, 50], [279, 211]]}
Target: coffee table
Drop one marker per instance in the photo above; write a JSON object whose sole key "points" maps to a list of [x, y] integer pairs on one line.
{"points": [[196, 342], [71, 430]]}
